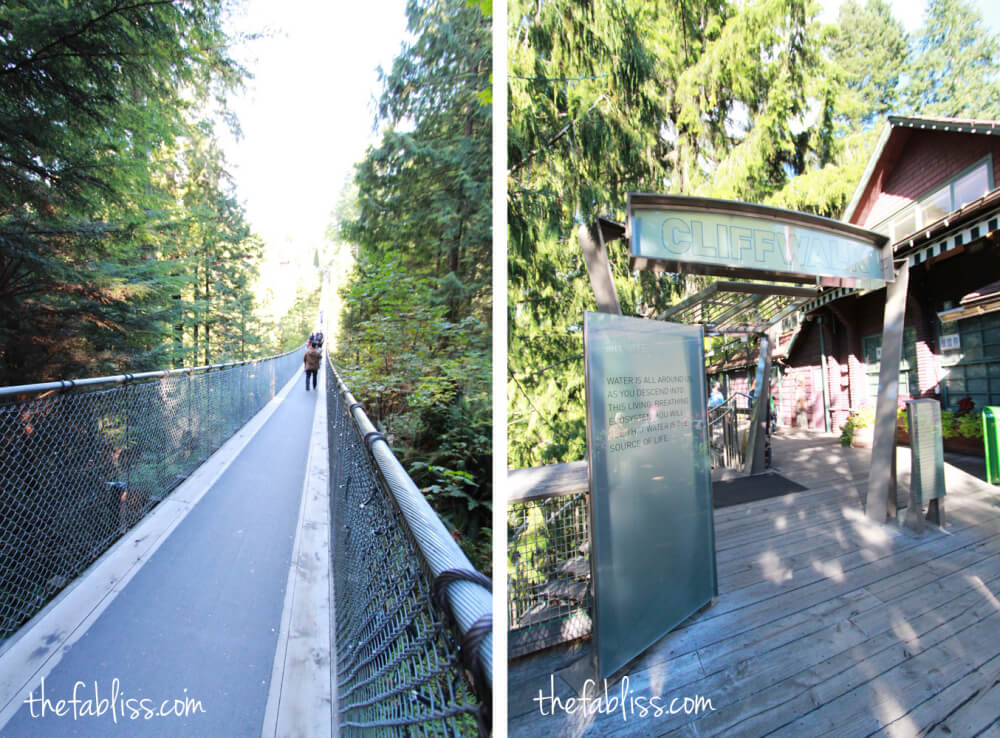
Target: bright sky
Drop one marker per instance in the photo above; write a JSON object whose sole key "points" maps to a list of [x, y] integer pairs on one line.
{"points": [[307, 115]]}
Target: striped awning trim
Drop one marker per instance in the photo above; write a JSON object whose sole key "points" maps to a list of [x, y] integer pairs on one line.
{"points": [[954, 239], [940, 245], [827, 297]]}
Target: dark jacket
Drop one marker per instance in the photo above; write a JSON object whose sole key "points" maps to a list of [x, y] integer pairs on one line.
{"points": [[312, 357]]}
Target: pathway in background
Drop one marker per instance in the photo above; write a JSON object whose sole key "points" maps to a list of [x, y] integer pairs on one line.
{"points": [[200, 619]]}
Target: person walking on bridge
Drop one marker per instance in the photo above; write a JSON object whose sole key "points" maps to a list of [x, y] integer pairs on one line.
{"points": [[311, 361]]}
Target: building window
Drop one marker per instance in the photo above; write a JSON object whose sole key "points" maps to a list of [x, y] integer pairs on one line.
{"points": [[969, 185], [972, 370], [871, 350]]}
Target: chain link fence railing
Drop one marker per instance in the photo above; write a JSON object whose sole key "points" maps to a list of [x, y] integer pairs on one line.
{"points": [[82, 461], [413, 618], [548, 558]]}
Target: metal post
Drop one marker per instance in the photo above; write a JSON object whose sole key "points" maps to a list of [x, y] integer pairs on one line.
{"points": [[757, 439], [595, 255], [826, 375], [879, 503]]}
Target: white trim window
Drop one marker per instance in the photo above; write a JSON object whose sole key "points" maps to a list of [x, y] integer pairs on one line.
{"points": [[968, 185]]}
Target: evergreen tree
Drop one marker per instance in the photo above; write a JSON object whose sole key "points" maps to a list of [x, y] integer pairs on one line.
{"points": [[954, 68], [585, 108], [425, 192], [97, 99], [221, 254], [413, 343], [615, 96], [868, 50], [745, 103]]}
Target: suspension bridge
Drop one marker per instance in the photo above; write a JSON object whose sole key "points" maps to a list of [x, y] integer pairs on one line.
{"points": [[216, 551]]}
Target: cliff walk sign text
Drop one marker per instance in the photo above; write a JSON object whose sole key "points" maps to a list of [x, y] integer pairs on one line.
{"points": [[672, 230]]}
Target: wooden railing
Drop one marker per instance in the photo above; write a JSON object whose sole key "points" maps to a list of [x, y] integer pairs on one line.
{"points": [[548, 556]]}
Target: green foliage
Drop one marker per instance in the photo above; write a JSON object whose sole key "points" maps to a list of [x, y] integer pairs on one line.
{"points": [[299, 322], [868, 49], [616, 96], [953, 70], [90, 90], [959, 425], [949, 424], [827, 190], [764, 64], [970, 425], [424, 192], [123, 246], [863, 418], [414, 339], [425, 381], [751, 101]]}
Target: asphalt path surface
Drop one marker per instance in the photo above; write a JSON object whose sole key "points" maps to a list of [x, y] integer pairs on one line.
{"points": [[195, 630]]}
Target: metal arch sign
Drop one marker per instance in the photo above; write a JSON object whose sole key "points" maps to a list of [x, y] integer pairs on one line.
{"points": [[726, 238]]}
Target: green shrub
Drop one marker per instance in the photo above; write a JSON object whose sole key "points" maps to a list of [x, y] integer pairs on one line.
{"points": [[949, 424], [846, 433], [970, 425], [864, 418]]}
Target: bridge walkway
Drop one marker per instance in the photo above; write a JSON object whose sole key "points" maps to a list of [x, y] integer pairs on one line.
{"points": [[191, 612]]}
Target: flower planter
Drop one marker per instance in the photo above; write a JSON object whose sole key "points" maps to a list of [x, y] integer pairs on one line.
{"points": [[954, 445], [863, 437], [966, 446]]}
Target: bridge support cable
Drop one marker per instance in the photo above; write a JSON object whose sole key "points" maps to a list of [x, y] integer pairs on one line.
{"points": [[83, 461], [400, 581]]}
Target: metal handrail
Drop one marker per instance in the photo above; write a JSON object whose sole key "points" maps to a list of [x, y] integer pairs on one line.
{"points": [[470, 602], [727, 406], [724, 421], [65, 384]]}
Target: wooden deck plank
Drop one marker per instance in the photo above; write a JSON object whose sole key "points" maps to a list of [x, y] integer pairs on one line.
{"points": [[898, 548], [762, 711], [746, 674], [967, 707], [751, 675], [745, 609], [777, 524], [778, 565], [890, 692], [825, 623]]}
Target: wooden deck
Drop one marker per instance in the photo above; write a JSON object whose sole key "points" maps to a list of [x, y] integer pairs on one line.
{"points": [[824, 624]]}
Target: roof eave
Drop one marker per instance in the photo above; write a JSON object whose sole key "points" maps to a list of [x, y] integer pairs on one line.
{"points": [[869, 170]]}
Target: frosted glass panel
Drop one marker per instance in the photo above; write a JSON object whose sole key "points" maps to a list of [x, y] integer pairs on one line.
{"points": [[653, 552]]}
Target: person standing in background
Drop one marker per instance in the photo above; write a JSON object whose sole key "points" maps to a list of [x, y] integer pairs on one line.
{"points": [[311, 361], [715, 399]]}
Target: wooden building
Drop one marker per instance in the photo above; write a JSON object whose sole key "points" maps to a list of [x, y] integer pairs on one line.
{"points": [[931, 186]]}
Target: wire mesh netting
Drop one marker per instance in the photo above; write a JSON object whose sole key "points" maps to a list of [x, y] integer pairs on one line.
{"points": [[79, 468], [548, 571], [398, 670]]}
